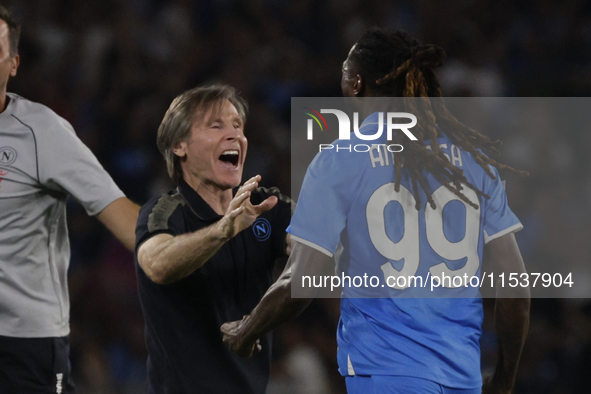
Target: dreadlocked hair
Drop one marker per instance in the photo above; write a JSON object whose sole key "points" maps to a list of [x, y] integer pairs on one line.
{"points": [[393, 63]]}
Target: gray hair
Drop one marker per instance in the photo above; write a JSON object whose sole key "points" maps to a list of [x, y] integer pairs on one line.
{"points": [[176, 125]]}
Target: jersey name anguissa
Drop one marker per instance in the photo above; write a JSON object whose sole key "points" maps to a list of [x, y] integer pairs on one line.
{"points": [[379, 155]]}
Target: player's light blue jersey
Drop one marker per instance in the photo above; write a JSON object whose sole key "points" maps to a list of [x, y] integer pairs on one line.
{"points": [[348, 207]]}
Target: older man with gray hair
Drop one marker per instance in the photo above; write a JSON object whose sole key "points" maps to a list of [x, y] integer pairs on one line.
{"points": [[205, 251]]}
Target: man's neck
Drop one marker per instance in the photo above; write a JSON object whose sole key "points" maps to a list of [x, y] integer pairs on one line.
{"points": [[4, 99], [216, 198]]}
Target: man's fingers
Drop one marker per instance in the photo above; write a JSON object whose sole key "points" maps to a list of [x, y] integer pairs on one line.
{"points": [[238, 200], [257, 347], [235, 212], [229, 330], [266, 205], [250, 184], [229, 327], [256, 178]]}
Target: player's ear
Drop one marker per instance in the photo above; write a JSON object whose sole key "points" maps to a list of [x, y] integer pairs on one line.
{"points": [[16, 60], [358, 85], [181, 149]]}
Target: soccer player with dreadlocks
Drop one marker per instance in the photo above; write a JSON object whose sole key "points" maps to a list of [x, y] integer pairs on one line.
{"points": [[401, 344]]}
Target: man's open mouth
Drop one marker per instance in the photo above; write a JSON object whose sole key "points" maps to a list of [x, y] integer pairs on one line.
{"points": [[230, 156]]}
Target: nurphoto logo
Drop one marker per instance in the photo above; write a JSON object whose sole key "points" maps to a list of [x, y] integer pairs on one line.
{"points": [[344, 122]]}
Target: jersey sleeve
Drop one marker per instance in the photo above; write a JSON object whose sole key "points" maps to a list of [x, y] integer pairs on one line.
{"points": [[158, 216], [325, 198], [498, 217], [67, 165]]}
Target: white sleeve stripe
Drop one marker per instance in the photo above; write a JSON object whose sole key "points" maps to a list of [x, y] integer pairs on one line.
{"points": [[312, 245], [512, 229], [350, 369]]}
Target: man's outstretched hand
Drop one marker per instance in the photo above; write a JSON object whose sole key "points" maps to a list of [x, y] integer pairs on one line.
{"points": [[234, 340], [241, 213]]}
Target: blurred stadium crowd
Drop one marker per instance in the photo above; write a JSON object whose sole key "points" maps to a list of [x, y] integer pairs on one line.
{"points": [[111, 67]]}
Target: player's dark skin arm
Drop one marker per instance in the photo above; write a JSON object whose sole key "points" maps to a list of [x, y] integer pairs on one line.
{"points": [[511, 314], [277, 306]]}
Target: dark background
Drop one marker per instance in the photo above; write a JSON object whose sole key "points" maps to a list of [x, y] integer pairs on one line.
{"points": [[111, 68]]}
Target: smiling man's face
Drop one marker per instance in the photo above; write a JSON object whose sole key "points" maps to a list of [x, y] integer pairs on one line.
{"points": [[215, 151]]}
